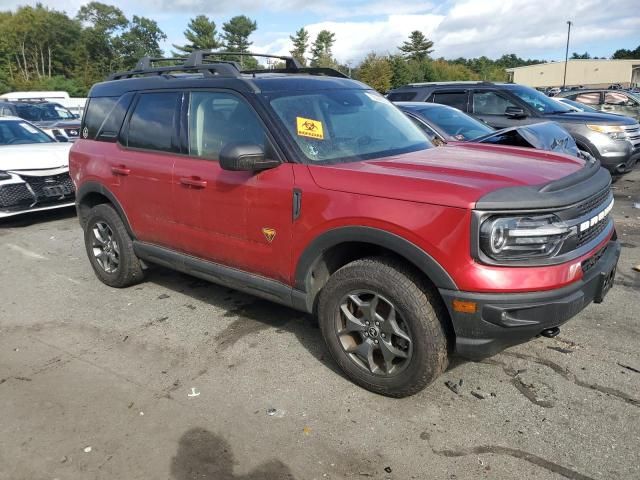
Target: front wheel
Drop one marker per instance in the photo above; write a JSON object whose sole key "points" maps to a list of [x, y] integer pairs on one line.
{"points": [[384, 327], [110, 248]]}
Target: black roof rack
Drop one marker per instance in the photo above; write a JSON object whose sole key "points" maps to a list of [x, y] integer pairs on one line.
{"points": [[208, 63]]}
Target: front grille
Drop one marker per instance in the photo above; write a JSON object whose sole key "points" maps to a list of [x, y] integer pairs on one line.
{"points": [[592, 203], [40, 187], [15, 195], [632, 133], [591, 233]]}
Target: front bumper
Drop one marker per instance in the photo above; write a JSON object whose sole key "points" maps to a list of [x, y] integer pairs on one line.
{"points": [[30, 193], [504, 320]]}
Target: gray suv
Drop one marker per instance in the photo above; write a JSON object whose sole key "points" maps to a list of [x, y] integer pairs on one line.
{"points": [[612, 139], [608, 101]]}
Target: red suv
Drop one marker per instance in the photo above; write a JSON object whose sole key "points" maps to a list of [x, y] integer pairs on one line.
{"points": [[310, 189]]}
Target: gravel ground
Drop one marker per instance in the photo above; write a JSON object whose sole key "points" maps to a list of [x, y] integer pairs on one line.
{"points": [[180, 379]]}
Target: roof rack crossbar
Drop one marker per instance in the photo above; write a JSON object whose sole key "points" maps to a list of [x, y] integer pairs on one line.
{"points": [[328, 72], [208, 62]]}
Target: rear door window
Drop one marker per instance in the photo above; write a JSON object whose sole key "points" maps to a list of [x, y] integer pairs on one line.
{"points": [[153, 122], [590, 98], [456, 99]]}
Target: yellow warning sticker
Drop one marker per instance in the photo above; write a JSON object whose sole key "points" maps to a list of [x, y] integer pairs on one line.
{"points": [[309, 128]]}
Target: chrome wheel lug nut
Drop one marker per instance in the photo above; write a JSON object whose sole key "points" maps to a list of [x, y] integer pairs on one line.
{"points": [[377, 323], [375, 341], [383, 335], [367, 322]]}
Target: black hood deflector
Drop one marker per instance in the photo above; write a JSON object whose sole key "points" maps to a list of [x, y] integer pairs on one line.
{"points": [[574, 188]]}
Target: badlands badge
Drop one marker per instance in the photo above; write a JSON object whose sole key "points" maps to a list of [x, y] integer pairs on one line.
{"points": [[269, 234]]}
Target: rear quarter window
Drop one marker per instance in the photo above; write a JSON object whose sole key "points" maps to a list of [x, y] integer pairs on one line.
{"points": [[104, 116]]}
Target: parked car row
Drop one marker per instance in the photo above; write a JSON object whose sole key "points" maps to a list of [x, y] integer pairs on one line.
{"points": [[54, 119], [612, 139]]}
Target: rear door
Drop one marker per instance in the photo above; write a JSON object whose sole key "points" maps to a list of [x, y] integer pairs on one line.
{"points": [[235, 218], [141, 165]]}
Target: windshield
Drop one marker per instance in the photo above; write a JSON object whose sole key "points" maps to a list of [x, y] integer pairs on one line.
{"points": [[538, 100], [333, 126], [20, 133], [454, 123], [44, 112]]}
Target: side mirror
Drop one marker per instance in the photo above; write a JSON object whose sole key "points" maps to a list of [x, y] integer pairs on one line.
{"points": [[61, 138], [245, 157], [515, 112]]}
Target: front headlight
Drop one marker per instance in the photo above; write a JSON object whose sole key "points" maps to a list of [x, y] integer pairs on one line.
{"points": [[4, 175], [614, 131], [522, 237]]}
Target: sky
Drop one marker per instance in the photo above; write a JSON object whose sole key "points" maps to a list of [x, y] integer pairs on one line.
{"points": [[467, 28]]}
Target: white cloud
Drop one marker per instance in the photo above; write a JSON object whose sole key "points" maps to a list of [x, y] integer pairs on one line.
{"points": [[355, 39], [472, 28]]}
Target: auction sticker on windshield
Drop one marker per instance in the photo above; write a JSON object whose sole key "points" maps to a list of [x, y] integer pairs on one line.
{"points": [[309, 128]]}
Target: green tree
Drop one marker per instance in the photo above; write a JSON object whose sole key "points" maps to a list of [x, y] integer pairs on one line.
{"points": [[300, 45], [201, 34], [400, 71], [103, 18], [623, 53], [418, 47], [236, 39], [142, 38], [377, 72], [321, 54], [580, 56]]}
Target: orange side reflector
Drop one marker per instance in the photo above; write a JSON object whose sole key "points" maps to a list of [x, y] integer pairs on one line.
{"points": [[464, 307]]}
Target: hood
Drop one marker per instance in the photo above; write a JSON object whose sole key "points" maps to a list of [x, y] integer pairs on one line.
{"points": [[454, 175], [35, 156], [544, 136], [590, 118]]}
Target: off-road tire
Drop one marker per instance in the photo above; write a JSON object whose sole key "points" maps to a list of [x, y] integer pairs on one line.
{"points": [[129, 271], [420, 307]]}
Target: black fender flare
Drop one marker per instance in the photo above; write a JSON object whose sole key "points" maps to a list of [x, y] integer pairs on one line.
{"points": [[96, 187], [374, 236]]}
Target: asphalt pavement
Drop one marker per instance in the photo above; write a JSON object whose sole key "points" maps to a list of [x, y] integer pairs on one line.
{"points": [[180, 379]]}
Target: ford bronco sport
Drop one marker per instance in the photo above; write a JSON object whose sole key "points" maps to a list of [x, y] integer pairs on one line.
{"points": [[310, 189]]}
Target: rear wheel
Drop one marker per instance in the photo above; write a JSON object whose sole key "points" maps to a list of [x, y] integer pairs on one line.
{"points": [[110, 248], [383, 327]]}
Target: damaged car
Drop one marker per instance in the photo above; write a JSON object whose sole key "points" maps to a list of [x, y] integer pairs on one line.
{"points": [[34, 169], [443, 124]]}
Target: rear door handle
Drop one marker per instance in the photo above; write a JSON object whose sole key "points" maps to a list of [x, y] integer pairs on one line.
{"points": [[193, 182], [120, 170]]}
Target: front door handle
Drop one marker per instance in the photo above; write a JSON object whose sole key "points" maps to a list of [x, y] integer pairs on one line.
{"points": [[120, 170], [193, 182]]}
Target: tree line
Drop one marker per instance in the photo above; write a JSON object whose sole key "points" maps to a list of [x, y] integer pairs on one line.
{"points": [[45, 49]]}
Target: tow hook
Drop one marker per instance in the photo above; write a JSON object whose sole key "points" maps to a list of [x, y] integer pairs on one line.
{"points": [[550, 332]]}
